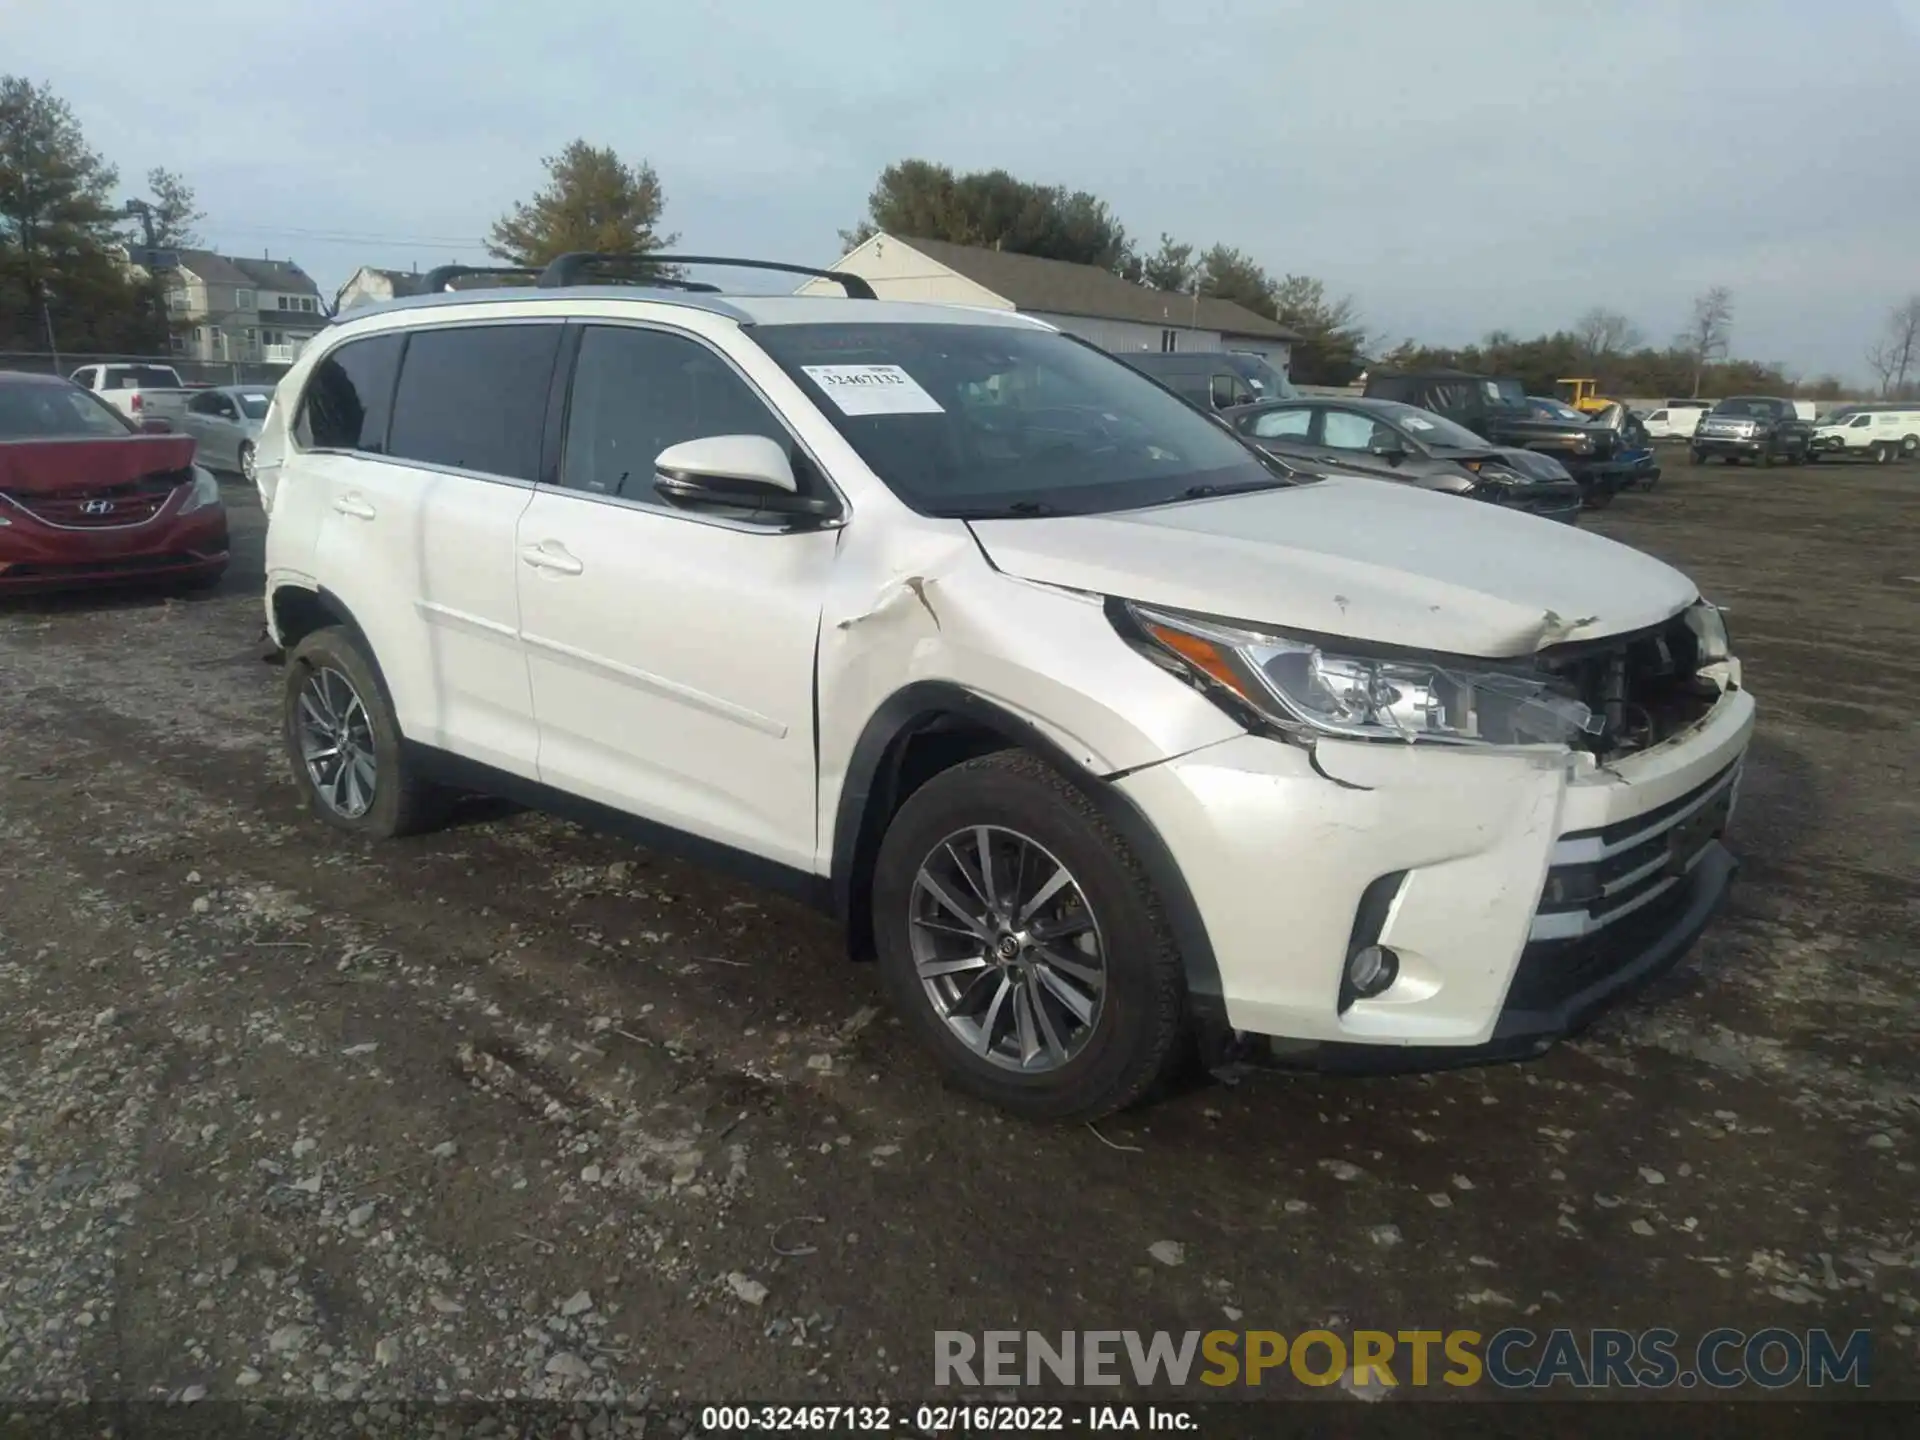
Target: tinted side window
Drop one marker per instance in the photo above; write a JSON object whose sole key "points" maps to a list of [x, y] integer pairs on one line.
{"points": [[635, 392], [346, 401], [475, 398]]}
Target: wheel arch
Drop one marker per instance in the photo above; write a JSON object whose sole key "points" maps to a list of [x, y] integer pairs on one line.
{"points": [[930, 726], [298, 612]]}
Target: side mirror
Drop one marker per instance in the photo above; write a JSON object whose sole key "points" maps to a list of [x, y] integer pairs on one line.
{"points": [[1391, 451], [156, 427], [734, 472]]}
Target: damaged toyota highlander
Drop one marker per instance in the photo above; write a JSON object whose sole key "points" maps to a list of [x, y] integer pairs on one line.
{"points": [[1109, 737]]}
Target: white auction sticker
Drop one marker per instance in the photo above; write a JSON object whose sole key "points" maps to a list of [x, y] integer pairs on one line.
{"points": [[873, 390]]}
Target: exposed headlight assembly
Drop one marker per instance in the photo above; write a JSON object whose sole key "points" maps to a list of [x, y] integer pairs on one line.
{"points": [[205, 492], [1708, 622], [1299, 687]]}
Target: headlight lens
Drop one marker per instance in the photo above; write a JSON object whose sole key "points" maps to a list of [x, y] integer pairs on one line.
{"points": [[205, 492], [1708, 623], [1296, 684]]}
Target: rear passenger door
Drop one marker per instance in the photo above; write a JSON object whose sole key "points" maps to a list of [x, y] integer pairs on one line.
{"points": [[1287, 433], [672, 650], [418, 534]]}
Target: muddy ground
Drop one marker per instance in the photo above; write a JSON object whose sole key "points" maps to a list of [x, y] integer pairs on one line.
{"points": [[514, 1110]]}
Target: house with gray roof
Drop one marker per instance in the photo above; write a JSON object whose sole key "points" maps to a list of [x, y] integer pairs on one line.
{"points": [[229, 308], [1097, 305]]}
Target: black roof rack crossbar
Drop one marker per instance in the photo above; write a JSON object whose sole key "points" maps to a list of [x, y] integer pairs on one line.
{"points": [[569, 269], [438, 278]]}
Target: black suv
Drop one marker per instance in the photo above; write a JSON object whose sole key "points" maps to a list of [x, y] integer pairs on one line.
{"points": [[1214, 379], [1759, 428], [1497, 410]]}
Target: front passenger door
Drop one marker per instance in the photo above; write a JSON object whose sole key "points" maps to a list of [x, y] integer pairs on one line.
{"points": [[672, 650], [1348, 439]]}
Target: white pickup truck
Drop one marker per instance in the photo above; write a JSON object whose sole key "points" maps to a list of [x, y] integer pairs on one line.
{"points": [[139, 392]]}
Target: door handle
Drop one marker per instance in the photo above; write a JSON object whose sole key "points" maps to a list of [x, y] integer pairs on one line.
{"points": [[556, 559], [354, 506]]}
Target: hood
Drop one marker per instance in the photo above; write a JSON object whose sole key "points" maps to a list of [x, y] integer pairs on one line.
{"points": [[54, 467], [1365, 559]]}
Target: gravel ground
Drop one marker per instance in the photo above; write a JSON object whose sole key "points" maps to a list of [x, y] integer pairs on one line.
{"points": [[514, 1111]]}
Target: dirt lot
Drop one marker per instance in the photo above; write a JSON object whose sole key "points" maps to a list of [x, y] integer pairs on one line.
{"points": [[516, 1110]]}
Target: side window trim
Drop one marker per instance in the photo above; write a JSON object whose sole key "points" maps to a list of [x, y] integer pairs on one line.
{"points": [[567, 365]]}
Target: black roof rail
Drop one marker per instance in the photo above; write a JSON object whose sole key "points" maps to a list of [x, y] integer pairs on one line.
{"points": [[438, 278], [568, 270]]}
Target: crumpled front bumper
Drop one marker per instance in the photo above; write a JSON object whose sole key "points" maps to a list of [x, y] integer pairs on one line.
{"points": [[1280, 847], [36, 556]]}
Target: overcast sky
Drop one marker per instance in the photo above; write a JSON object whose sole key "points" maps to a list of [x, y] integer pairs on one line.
{"points": [[1458, 167]]}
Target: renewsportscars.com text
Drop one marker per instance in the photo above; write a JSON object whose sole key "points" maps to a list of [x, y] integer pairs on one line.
{"points": [[1512, 1359]]}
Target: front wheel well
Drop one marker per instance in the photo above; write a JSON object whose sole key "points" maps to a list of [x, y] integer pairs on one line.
{"points": [[298, 612], [934, 743]]}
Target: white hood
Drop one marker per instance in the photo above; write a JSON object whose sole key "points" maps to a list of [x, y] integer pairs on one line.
{"points": [[1366, 559]]}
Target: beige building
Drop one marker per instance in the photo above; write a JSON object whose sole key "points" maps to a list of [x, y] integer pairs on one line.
{"points": [[225, 308], [1097, 305]]}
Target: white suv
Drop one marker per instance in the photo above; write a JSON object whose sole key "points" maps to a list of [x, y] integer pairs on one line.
{"points": [[1099, 729]]}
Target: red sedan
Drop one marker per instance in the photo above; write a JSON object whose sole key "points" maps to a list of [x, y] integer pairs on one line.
{"points": [[88, 498]]}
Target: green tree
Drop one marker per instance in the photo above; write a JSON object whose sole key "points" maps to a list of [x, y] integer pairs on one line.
{"points": [[1170, 268], [593, 200], [173, 210], [58, 266], [1229, 274], [1332, 339], [996, 211]]}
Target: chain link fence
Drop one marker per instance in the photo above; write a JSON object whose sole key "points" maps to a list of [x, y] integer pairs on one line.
{"points": [[193, 372]]}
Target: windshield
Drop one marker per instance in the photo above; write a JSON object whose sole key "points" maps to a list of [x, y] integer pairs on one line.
{"points": [[141, 377], [56, 412], [991, 420], [254, 407], [1430, 428], [1762, 409], [1259, 373], [1548, 409]]}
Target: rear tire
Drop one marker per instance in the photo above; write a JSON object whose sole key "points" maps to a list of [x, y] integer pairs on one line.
{"points": [[997, 1027], [344, 743], [1696, 456], [1910, 447]]}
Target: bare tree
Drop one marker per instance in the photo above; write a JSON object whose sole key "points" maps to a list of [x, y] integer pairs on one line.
{"points": [[1603, 332], [1705, 339], [1895, 353]]}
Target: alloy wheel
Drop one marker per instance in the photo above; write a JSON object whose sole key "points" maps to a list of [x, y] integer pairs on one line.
{"points": [[336, 743], [1007, 950], [247, 464]]}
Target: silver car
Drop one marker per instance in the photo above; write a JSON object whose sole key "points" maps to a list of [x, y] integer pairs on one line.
{"points": [[225, 421]]}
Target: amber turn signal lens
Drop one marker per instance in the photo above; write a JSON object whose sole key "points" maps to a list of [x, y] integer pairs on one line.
{"points": [[1203, 655]]}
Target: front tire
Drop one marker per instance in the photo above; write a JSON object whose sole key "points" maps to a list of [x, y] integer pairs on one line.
{"points": [[1696, 456], [1021, 940], [248, 470], [1882, 454], [344, 743]]}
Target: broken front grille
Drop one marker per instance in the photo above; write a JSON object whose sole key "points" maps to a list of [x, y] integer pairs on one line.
{"points": [[1596, 878], [104, 507], [1646, 687]]}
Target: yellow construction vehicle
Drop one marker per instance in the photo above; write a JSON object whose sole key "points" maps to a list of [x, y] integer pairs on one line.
{"points": [[1581, 394]]}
